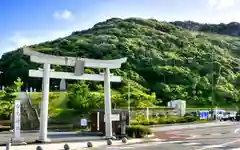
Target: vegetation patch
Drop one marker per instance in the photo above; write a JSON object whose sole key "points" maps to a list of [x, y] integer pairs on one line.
{"points": [[138, 131]]}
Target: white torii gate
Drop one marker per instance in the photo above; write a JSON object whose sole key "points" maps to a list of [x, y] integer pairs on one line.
{"points": [[79, 64]]}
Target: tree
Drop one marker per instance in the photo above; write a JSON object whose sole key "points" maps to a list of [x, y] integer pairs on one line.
{"points": [[9, 95], [80, 98]]}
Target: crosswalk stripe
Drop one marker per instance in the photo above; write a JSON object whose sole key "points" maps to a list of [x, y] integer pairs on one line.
{"points": [[191, 144]]}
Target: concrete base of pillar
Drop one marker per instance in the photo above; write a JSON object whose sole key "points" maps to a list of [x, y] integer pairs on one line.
{"points": [[106, 138], [18, 141], [43, 140]]}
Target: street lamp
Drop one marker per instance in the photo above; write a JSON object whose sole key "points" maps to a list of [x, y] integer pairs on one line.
{"points": [[213, 86], [1, 88], [129, 103]]}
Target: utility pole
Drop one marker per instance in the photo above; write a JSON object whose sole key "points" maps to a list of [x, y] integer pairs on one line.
{"points": [[213, 87], [129, 103], [1, 88]]}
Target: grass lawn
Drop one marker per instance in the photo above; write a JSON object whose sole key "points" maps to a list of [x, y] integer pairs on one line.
{"points": [[57, 100]]}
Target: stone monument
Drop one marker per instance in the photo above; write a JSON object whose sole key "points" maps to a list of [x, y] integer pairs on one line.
{"points": [[63, 86]]}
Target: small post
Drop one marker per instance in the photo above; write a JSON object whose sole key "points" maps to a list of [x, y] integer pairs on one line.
{"points": [[98, 123], [8, 146], [147, 114], [109, 142], [11, 120], [124, 140], [39, 148], [66, 147], [89, 144], [216, 117]]}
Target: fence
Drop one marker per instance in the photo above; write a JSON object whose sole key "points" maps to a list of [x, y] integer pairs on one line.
{"points": [[153, 112]]}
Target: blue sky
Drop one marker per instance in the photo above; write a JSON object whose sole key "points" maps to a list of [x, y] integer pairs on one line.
{"points": [[26, 22]]}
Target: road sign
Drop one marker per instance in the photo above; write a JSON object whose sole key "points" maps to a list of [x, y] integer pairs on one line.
{"points": [[114, 117], [203, 114], [83, 122]]}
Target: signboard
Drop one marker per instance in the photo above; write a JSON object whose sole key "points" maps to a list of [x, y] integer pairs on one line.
{"points": [[83, 122], [17, 118], [31, 89], [114, 117], [203, 114]]}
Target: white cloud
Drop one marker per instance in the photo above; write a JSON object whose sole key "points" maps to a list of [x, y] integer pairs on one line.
{"points": [[221, 4], [65, 15]]}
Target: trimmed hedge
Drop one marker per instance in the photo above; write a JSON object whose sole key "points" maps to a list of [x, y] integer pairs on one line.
{"points": [[165, 120], [138, 131]]}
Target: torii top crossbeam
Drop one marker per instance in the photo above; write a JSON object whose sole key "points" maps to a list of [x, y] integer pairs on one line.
{"points": [[38, 57]]}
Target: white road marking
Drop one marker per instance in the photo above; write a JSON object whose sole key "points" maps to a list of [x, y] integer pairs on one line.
{"points": [[236, 149], [235, 131], [173, 142], [157, 140], [210, 146], [216, 134], [193, 136], [228, 143], [151, 144], [190, 144], [117, 148], [220, 145]]}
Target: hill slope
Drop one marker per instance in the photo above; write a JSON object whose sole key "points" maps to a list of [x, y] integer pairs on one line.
{"points": [[172, 62]]}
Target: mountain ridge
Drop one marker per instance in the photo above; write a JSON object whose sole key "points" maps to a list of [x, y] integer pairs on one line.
{"points": [[167, 59]]}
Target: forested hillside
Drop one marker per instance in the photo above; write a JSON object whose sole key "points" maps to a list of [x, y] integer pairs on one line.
{"points": [[173, 62]]}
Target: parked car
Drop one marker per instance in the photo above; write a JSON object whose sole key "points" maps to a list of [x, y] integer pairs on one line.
{"points": [[237, 117], [228, 116]]}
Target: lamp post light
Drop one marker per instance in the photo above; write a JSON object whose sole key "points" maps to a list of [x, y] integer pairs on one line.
{"points": [[1, 88]]}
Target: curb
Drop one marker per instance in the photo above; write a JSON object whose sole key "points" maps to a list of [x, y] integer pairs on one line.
{"points": [[82, 145]]}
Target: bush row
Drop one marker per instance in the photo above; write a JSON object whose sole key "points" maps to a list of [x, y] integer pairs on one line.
{"points": [[138, 131], [164, 120]]}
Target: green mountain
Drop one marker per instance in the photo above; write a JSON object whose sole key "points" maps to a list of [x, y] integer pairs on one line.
{"points": [[173, 62]]}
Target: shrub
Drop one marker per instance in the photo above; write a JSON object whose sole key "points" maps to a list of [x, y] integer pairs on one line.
{"points": [[153, 121], [165, 120], [190, 118], [138, 131], [134, 122]]}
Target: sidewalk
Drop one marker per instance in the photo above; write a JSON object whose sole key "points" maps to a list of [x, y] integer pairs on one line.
{"points": [[190, 126], [75, 145], [56, 137]]}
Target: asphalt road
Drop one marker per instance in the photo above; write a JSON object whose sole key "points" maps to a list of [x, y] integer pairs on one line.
{"points": [[210, 138], [215, 136]]}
